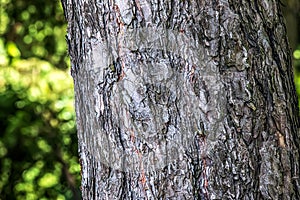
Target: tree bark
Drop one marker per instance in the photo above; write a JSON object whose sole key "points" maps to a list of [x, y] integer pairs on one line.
{"points": [[189, 99]]}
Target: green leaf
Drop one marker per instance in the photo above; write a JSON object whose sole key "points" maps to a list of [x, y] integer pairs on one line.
{"points": [[13, 50], [48, 180]]}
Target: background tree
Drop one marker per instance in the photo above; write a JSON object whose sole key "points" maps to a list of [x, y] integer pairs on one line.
{"points": [[291, 10], [184, 99]]}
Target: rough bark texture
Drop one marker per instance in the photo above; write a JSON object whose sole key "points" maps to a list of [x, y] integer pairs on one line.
{"points": [[184, 99]]}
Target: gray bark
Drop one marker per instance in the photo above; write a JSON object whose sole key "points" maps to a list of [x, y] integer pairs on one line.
{"points": [[184, 99]]}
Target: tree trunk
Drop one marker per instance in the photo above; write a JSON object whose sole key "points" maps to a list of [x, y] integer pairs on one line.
{"points": [[184, 99], [291, 10]]}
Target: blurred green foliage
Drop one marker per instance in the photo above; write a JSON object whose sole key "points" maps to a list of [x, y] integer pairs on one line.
{"points": [[38, 142], [296, 63]]}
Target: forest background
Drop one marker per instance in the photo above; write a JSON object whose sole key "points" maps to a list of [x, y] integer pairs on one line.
{"points": [[38, 142]]}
